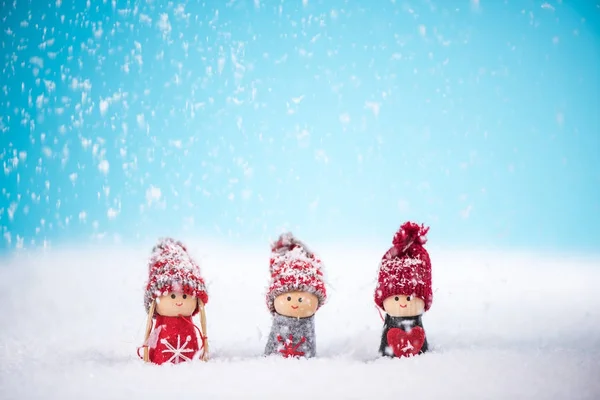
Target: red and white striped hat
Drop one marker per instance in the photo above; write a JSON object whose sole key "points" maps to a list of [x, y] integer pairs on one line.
{"points": [[172, 269], [294, 267]]}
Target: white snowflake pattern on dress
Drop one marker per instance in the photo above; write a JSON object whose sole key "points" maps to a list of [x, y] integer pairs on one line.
{"points": [[178, 351]]}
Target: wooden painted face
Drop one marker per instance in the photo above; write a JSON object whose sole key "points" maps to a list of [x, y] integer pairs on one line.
{"points": [[296, 304], [175, 304], [404, 306]]}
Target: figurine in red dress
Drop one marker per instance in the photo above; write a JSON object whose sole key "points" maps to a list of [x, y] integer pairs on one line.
{"points": [[175, 292]]}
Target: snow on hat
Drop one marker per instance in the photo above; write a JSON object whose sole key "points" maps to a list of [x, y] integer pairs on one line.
{"points": [[172, 269], [294, 267], [405, 269]]}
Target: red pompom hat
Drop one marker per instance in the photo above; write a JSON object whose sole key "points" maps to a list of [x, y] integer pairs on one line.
{"points": [[172, 269], [405, 268], [294, 268]]}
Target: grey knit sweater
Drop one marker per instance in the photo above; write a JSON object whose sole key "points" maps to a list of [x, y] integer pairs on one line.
{"points": [[302, 342]]}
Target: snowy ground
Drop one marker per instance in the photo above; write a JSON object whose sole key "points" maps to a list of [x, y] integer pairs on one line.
{"points": [[502, 326]]}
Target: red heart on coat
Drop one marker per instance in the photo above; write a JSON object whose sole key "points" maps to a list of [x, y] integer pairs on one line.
{"points": [[406, 344]]}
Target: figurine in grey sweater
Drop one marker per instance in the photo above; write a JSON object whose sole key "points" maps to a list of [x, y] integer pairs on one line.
{"points": [[296, 292]]}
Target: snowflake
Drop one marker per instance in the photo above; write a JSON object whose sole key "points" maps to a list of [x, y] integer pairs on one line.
{"points": [[178, 351], [289, 349], [408, 347]]}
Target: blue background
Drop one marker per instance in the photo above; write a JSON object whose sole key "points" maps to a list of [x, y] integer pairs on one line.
{"points": [[336, 119]]}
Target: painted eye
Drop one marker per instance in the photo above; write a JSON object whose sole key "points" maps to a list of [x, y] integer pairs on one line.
{"points": [[397, 298], [299, 299], [173, 296], [185, 296], [408, 298], [289, 298]]}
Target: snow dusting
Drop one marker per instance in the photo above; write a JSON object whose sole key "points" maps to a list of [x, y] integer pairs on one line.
{"points": [[501, 326]]}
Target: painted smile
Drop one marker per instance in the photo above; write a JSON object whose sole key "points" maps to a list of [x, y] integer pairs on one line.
{"points": [[403, 306], [178, 304], [294, 307]]}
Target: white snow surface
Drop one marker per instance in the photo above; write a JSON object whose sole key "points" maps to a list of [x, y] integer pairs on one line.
{"points": [[502, 326]]}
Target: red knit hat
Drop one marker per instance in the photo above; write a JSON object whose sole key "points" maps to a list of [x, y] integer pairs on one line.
{"points": [[405, 268], [171, 268], [294, 267]]}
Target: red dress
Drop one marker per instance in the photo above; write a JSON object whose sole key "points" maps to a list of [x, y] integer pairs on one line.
{"points": [[172, 340]]}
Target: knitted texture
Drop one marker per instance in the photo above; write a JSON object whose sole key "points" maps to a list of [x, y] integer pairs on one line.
{"points": [[405, 268], [173, 340], [292, 337], [172, 269], [294, 267]]}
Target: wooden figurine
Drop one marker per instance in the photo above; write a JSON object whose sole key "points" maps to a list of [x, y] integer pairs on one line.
{"points": [[296, 292], [174, 293], [404, 292]]}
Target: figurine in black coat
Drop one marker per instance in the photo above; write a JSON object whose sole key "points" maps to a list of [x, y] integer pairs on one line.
{"points": [[404, 292], [406, 337]]}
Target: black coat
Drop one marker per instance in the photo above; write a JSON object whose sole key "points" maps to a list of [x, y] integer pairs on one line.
{"points": [[405, 334]]}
